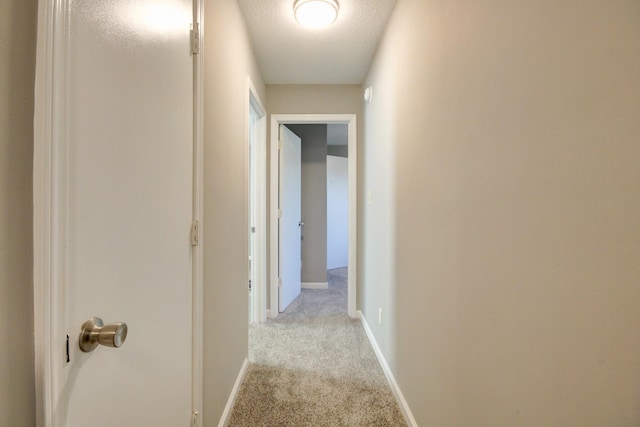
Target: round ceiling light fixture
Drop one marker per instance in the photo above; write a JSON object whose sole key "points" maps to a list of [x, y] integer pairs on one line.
{"points": [[315, 13]]}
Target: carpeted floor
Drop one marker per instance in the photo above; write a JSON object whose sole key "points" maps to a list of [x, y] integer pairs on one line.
{"points": [[314, 366]]}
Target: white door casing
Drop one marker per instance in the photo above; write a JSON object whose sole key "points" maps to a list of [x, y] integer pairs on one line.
{"points": [[290, 217], [253, 215], [113, 194], [257, 201]]}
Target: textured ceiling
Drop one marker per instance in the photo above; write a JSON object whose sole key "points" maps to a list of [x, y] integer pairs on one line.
{"points": [[291, 54]]}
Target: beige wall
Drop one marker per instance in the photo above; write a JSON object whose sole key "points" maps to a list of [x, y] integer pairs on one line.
{"points": [[502, 150], [228, 61], [313, 201], [318, 99], [314, 99], [17, 71]]}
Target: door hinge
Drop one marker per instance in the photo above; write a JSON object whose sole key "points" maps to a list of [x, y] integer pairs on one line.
{"points": [[279, 213], [194, 233], [279, 281], [194, 419], [280, 144], [195, 38]]}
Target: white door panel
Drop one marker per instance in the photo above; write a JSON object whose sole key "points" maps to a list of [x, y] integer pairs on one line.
{"points": [[130, 140], [289, 229]]}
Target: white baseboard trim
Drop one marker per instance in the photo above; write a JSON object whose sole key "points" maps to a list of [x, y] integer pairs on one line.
{"points": [[314, 285], [224, 419], [395, 388]]}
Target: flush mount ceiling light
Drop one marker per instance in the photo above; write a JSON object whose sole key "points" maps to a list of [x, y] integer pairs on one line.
{"points": [[315, 13]]}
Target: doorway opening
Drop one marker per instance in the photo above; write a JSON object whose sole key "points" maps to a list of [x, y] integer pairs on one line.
{"points": [[278, 148]]}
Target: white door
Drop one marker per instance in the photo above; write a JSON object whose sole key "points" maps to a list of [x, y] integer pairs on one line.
{"points": [[290, 221], [130, 181]]}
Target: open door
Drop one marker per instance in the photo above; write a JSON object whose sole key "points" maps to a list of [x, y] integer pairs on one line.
{"points": [[290, 222], [122, 193]]}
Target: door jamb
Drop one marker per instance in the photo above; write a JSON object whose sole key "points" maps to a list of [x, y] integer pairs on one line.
{"points": [[276, 121], [259, 260]]}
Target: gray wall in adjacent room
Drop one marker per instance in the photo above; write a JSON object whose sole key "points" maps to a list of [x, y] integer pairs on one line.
{"points": [[314, 201]]}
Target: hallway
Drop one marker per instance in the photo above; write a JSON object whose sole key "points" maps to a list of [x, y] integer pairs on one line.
{"points": [[498, 206], [314, 366]]}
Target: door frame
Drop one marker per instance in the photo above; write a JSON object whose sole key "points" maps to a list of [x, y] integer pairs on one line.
{"points": [[50, 211], [257, 166], [289, 217], [281, 119]]}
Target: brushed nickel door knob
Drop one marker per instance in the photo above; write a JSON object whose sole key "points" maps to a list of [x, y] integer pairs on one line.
{"points": [[94, 332]]}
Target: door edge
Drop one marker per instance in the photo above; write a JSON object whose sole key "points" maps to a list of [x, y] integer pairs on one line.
{"points": [[49, 210]]}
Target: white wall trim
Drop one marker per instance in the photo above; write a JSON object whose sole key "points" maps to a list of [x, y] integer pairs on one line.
{"points": [[351, 120], [273, 218], [353, 217], [259, 260], [224, 419], [395, 388], [314, 285]]}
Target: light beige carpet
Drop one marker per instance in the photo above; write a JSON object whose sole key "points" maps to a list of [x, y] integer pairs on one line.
{"points": [[314, 366]]}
